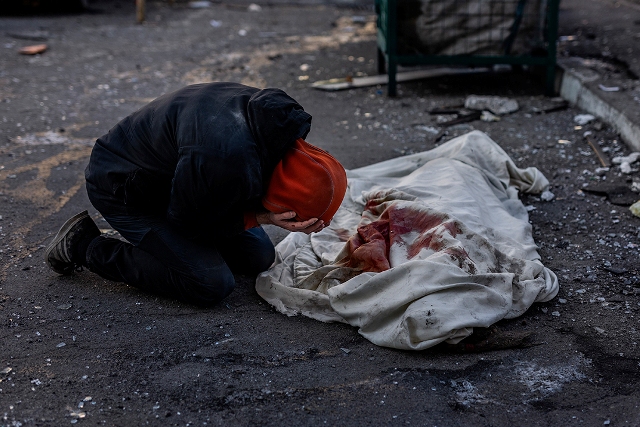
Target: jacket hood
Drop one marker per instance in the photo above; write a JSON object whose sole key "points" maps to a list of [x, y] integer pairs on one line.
{"points": [[276, 120]]}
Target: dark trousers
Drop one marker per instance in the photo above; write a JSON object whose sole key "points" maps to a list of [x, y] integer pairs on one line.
{"points": [[160, 260]]}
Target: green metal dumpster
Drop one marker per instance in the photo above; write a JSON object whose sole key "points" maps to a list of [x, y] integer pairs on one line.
{"points": [[466, 32]]}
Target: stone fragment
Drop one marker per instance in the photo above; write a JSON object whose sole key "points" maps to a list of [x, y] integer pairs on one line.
{"points": [[496, 104]]}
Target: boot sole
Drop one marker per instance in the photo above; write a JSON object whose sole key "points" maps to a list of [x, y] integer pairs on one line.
{"points": [[58, 238]]}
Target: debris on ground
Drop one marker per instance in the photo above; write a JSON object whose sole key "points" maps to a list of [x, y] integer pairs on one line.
{"points": [[604, 160], [631, 158], [616, 193], [496, 104], [489, 117], [380, 79], [547, 196], [608, 88], [33, 49], [583, 119], [625, 162], [557, 104], [462, 117]]}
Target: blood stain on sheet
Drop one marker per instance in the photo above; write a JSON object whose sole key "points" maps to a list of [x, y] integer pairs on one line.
{"points": [[368, 250], [405, 220], [343, 234]]}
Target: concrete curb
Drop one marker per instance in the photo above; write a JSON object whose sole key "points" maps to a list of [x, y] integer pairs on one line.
{"points": [[578, 85]]}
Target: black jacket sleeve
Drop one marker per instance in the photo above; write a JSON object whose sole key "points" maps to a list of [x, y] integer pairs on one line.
{"points": [[209, 188]]}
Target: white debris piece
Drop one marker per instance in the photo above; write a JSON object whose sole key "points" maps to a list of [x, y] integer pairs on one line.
{"points": [[609, 88], [626, 161], [429, 129], [601, 171], [254, 8], [626, 168], [631, 158], [496, 104], [583, 119], [489, 117], [547, 196]]}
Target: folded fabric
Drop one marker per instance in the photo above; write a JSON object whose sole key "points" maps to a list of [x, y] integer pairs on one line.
{"points": [[423, 249]]}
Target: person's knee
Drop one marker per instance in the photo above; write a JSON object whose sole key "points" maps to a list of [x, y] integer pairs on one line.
{"points": [[209, 289], [263, 260]]}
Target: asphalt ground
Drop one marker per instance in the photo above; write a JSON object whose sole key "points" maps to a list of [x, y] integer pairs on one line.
{"points": [[82, 350]]}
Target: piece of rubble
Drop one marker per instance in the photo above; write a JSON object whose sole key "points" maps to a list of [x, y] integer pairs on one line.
{"points": [[631, 158], [601, 171], [489, 117], [583, 119], [496, 104], [626, 168], [547, 196]]}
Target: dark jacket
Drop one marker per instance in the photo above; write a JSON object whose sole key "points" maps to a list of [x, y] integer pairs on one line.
{"points": [[201, 156]]}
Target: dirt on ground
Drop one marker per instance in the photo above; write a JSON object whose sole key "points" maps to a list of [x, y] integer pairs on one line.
{"points": [[83, 350]]}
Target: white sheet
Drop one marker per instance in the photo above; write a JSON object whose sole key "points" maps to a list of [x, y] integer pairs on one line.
{"points": [[423, 249]]}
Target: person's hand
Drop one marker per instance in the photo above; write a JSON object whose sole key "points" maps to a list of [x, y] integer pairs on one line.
{"points": [[286, 220]]}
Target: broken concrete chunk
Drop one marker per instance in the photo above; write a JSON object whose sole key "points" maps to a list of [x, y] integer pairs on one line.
{"points": [[547, 196], [626, 168], [583, 119], [488, 117], [496, 104], [631, 158]]}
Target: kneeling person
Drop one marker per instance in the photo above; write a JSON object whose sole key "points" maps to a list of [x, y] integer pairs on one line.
{"points": [[188, 179]]}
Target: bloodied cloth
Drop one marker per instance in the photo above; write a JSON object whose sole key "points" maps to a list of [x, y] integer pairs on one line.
{"points": [[423, 249]]}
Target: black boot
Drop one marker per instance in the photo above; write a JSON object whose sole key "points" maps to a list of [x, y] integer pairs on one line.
{"points": [[67, 250]]}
